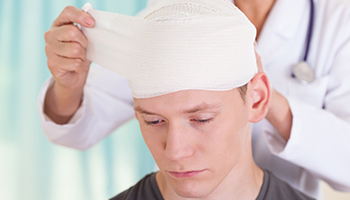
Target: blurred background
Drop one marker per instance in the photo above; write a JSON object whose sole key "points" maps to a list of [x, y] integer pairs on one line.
{"points": [[31, 167]]}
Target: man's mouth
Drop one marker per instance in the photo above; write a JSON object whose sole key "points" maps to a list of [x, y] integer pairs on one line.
{"points": [[185, 174]]}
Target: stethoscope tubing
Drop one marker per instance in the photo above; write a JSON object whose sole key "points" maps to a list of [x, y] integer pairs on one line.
{"points": [[310, 30]]}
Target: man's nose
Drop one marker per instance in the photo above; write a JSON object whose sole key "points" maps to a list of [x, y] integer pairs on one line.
{"points": [[178, 144]]}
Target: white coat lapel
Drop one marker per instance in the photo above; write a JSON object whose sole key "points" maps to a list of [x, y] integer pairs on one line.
{"points": [[281, 25]]}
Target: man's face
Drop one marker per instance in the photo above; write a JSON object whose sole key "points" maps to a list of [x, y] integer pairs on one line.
{"points": [[196, 137]]}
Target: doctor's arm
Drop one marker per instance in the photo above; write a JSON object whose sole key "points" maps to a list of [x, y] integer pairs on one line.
{"points": [[66, 60], [76, 109], [106, 104], [317, 139]]}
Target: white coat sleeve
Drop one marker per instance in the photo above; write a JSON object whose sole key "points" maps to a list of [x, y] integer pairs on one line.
{"points": [[320, 137], [107, 104]]}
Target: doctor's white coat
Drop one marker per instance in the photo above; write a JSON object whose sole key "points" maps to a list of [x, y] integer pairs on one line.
{"points": [[319, 146]]}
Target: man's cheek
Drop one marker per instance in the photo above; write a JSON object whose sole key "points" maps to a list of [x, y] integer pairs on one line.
{"points": [[154, 141]]}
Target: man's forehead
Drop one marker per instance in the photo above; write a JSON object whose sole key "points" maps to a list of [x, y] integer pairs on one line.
{"points": [[200, 107], [186, 102], [203, 106]]}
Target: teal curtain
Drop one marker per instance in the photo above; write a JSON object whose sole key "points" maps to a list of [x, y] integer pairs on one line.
{"points": [[30, 166]]}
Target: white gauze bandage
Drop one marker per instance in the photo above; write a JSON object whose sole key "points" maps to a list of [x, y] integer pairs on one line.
{"points": [[175, 45]]}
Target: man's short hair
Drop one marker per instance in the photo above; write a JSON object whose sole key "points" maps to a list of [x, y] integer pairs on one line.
{"points": [[243, 91]]}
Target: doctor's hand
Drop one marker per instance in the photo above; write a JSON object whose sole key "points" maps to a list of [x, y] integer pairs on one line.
{"points": [[66, 60], [279, 113]]}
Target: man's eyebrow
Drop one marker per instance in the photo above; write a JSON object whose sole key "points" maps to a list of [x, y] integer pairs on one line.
{"points": [[197, 108], [142, 111], [202, 107]]}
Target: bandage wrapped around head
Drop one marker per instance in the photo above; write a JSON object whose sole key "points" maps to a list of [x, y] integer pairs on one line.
{"points": [[175, 45]]}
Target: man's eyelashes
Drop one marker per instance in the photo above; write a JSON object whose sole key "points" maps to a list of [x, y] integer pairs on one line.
{"points": [[199, 121], [153, 122]]}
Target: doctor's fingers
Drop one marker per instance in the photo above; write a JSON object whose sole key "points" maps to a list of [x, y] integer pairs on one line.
{"points": [[67, 33], [66, 49], [71, 14], [60, 65]]}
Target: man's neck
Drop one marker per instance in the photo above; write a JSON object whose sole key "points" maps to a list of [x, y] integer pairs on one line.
{"points": [[244, 181], [256, 11]]}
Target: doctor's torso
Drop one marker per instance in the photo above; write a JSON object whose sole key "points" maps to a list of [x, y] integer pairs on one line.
{"points": [[281, 45]]}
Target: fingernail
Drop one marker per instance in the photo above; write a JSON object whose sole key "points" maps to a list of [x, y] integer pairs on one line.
{"points": [[89, 21]]}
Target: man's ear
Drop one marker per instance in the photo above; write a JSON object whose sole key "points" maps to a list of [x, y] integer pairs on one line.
{"points": [[258, 97]]}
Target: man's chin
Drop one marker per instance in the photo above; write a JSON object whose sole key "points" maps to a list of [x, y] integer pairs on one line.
{"points": [[198, 186], [188, 190]]}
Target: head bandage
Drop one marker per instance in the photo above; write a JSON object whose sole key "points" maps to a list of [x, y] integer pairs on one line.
{"points": [[175, 45]]}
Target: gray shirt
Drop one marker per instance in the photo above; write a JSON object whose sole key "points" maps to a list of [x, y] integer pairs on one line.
{"points": [[272, 189]]}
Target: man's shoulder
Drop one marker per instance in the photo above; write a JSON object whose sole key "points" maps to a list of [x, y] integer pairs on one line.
{"points": [[145, 189], [274, 188]]}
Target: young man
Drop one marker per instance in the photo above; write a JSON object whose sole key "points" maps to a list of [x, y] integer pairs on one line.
{"points": [[192, 69], [201, 141]]}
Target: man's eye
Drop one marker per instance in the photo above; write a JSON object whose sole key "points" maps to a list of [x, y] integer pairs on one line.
{"points": [[202, 121], [153, 122]]}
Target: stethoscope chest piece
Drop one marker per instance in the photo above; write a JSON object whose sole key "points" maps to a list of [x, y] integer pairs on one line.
{"points": [[303, 73]]}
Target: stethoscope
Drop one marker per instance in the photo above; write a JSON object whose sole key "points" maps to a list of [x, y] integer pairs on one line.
{"points": [[303, 71]]}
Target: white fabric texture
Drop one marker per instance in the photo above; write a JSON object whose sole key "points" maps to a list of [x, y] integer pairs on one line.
{"points": [[319, 144], [177, 45]]}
